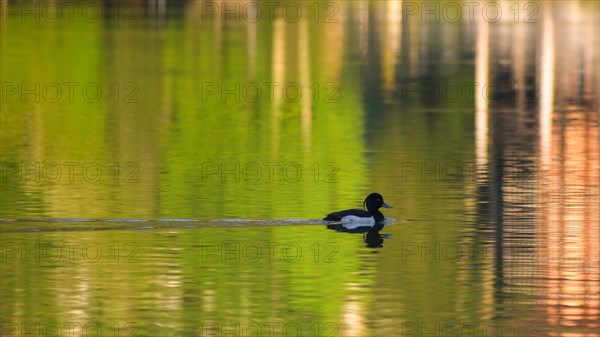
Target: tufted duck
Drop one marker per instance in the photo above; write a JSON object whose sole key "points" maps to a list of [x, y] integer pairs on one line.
{"points": [[369, 217]]}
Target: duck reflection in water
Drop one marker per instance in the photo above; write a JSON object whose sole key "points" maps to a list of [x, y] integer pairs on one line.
{"points": [[369, 222], [371, 234]]}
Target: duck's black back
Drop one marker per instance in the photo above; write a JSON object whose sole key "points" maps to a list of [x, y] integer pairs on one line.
{"points": [[337, 216]]}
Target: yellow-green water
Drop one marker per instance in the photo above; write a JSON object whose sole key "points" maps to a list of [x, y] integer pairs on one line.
{"points": [[161, 176]]}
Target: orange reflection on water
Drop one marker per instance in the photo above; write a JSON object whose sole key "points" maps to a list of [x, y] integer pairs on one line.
{"points": [[568, 218]]}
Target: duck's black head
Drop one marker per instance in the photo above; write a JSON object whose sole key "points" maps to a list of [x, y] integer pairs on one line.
{"points": [[373, 202]]}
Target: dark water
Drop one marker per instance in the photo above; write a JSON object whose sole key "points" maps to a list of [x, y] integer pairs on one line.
{"points": [[164, 168]]}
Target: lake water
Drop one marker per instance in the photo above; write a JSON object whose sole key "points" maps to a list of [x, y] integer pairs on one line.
{"points": [[165, 166]]}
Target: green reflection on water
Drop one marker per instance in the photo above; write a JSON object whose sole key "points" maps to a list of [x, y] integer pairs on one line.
{"points": [[173, 280], [153, 129]]}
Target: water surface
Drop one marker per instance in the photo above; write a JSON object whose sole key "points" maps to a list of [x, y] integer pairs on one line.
{"points": [[179, 202]]}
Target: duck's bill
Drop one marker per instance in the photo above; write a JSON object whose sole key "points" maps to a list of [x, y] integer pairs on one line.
{"points": [[386, 205]]}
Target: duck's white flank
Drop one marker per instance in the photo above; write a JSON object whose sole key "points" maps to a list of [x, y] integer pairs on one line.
{"points": [[359, 220]]}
